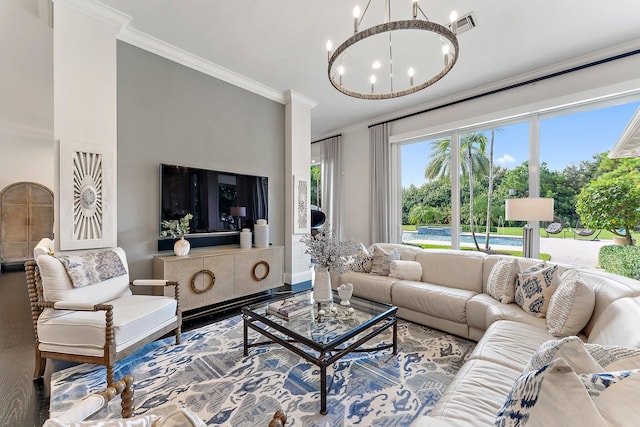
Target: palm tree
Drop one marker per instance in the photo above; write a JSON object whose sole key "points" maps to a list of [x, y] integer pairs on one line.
{"points": [[473, 161], [487, 247]]}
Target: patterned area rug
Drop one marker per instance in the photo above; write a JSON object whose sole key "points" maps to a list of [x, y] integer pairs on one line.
{"points": [[209, 375]]}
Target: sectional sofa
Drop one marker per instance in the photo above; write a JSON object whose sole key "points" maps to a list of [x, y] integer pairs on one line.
{"points": [[452, 291]]}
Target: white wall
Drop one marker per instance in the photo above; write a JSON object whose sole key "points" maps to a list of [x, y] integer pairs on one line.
{"points": [[26, 90], [615, 77]]}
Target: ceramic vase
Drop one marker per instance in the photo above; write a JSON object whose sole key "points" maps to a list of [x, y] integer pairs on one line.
{"points": [[322, 285], [181, 247]]}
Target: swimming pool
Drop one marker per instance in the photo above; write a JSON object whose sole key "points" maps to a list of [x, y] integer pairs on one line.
{"points": [[443, 234]]}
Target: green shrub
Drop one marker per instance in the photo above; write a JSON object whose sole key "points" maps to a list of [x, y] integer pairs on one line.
{"points": [[622, 260]]}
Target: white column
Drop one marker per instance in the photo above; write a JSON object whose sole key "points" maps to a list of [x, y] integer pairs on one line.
{"points": [[297, 163], [534, 178], [85, 104]]}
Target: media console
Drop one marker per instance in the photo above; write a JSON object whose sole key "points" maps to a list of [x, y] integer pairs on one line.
{"points": [[214, 275]]}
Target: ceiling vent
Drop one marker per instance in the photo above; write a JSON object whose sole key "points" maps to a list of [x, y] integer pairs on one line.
{"points": [[465, 23]]}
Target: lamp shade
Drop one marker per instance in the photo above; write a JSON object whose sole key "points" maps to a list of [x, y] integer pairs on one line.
{"points": [[238, 211], [529, 209]]}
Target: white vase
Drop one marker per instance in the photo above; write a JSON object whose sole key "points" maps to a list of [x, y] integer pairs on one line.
{"points": [[181, 247], [322, 285]]}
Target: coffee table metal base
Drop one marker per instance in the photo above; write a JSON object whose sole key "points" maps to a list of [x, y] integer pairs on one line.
{"points": [[324, 358]]}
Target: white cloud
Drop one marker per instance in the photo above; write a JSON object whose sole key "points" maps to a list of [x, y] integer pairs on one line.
{"points": [[507, 158]]}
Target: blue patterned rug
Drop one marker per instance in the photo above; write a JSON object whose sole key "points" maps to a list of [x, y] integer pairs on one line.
{"points": [[208, 374]]}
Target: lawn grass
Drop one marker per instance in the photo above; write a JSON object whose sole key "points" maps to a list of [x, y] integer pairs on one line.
{"points": [[567, 233], [545, 257]]}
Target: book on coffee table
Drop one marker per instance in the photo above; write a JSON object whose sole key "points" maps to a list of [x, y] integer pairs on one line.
{"points": [[289, 308]]}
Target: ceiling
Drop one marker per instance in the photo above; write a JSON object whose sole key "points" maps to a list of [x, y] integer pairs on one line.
{"points": [[281, 44]]}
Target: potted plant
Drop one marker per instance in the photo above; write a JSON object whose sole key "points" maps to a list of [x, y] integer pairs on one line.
{"points": [[328, 253], [178, 228]]}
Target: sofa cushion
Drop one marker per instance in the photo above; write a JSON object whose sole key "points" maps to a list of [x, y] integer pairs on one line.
{"points": [[405, 270], [475, 395], [510, 343], [571, 306], [82, 332], [534, 288], [407, 252], [57, 286], [483, 311], [608, 288], [502, 280], [454, 269], [365, 285], [618, 324], [382, 260], [435, 300]]}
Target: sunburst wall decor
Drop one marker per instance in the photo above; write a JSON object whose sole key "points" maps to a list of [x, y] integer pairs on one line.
{"points": [[87, 204], [87, 195]]}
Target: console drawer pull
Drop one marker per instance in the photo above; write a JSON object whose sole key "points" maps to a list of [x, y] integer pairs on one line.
{"points": [[255, 276], [212, 281]]}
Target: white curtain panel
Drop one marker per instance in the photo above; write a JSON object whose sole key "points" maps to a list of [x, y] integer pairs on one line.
{"points": [[380, 155], [332, 189]]}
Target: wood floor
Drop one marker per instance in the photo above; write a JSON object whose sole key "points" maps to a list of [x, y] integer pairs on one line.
{"points": [[23, 401]]}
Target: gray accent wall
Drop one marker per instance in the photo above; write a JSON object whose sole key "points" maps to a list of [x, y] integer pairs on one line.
{"points": [[168, 113]]}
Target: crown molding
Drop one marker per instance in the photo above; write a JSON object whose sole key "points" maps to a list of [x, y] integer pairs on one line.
{"points": [[294, 97], [149, 43], [97, 10]]}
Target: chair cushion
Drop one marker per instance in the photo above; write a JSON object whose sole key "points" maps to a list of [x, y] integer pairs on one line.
{"points": [[57, 286], [82, 332]]}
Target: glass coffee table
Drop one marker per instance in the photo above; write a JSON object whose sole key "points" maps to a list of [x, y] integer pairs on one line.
{"points": [[322, 340]]}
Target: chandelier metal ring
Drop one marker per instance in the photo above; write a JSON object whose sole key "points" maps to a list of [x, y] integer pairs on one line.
{"points": [[410, 24]]}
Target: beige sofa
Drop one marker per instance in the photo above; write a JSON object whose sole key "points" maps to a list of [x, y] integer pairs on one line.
{"points": [[452, 296]]}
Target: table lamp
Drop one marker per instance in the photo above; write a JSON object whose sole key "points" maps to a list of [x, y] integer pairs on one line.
{"points": [[528, 209], [240, 212]]}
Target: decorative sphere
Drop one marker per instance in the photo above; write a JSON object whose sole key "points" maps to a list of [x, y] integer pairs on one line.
{"points": [[321, 313]]}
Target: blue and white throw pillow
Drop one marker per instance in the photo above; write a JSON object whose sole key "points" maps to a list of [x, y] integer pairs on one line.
{"points": [[534, 288], [565, 384]]}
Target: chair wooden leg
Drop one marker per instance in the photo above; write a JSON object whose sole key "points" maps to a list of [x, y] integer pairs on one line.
{"points": [[127, 397], [110, 375], [178, 339], [41, 364]]}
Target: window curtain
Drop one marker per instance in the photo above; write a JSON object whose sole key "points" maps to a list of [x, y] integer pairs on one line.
{"points": [[331, 182], [380, 183]]}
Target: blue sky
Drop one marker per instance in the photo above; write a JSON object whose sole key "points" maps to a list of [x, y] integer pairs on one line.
{"points": [[563, 140]]}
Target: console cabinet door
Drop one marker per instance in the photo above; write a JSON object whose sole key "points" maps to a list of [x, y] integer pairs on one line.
{"points": [[257, 271], [221, 266], [182, 271]]}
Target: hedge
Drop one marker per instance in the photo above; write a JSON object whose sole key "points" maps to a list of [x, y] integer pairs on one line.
{"points": [[622, 260]]}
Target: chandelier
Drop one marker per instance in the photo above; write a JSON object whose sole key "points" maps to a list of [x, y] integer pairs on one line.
{"points": [[353, 71]]}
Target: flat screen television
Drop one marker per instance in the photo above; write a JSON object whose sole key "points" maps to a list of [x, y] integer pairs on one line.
{"points": [[209, 196]]}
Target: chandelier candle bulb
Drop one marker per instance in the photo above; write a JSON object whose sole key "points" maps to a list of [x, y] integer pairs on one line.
{"points": [[415, 10], [411, 74], [454, 21], [329, 48], [356, 19]]}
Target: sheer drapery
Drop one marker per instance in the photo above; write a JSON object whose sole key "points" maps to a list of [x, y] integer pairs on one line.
{"points": [[331, 181], [380, 159]]}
